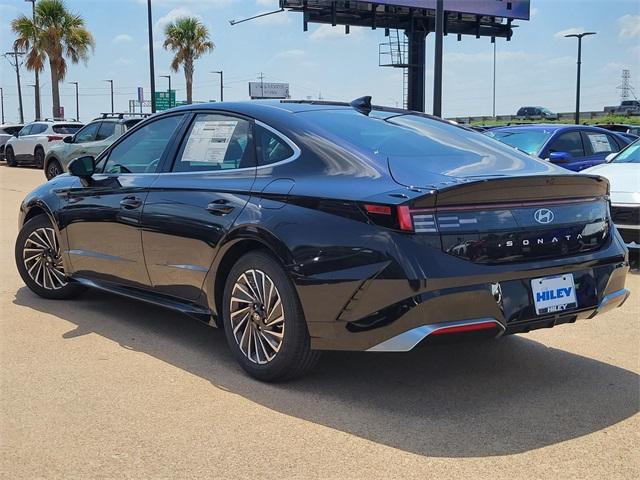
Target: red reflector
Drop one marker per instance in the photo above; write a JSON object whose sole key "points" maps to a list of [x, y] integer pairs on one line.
{"points": [[53, 138], [404, 218], [379, 209], [466, 328]]}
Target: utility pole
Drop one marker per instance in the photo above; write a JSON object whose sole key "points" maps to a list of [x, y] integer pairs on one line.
{"points": [[16, 65], [37, 74], [77, 102], [111, 82], [437, 62], [579, 37], [152, 74], [169, 77], [221, 84], [2, 105], [261, 77]]}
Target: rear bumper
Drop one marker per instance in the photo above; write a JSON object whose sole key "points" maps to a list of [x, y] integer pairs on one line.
{"points": [[500, 296]]}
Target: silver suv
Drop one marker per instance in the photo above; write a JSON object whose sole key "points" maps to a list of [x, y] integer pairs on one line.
{"points": [[92, 139]]}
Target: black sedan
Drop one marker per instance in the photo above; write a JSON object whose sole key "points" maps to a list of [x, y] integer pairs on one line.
{"points": [[299, 227]]}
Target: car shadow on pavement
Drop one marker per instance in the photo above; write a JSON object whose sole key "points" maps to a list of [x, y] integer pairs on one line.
{"points": [[463, 400]]}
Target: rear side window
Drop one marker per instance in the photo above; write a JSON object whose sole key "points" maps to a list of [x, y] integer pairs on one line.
{"points": [[11, 130], [570, 142], [66, 129], [597, 143], [216, 142], [88, 133], [37, 128], [271, 148], [106, 130], [141, 151]]}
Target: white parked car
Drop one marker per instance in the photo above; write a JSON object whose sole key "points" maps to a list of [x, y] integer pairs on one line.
{"points": [[623, 172], [7, 131], [32, 143]]}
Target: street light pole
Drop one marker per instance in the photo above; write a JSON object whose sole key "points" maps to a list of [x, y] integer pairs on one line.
{"points": [[37, 75], [77, 102], [579, 37], [2, 105], [151, 68], [111, 82], [169, 78], [437, 60], [493, 40], [221, 84]]}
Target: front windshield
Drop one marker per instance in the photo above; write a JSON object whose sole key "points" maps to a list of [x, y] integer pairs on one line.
{"points": [[631, 154], [528, 141]]}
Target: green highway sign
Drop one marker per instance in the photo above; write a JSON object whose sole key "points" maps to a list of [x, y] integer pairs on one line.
{"points": [[162, 100]]}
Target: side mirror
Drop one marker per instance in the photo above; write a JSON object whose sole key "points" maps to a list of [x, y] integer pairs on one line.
{"points": [[68, 139], [560, 157], [83, 167], [610, 157]]}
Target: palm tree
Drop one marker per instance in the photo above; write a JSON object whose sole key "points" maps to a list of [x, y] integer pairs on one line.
{"points": [[189, 39], [55, 34]]}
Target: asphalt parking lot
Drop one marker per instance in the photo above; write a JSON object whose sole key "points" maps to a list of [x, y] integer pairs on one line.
{"points": [[104, 387]]}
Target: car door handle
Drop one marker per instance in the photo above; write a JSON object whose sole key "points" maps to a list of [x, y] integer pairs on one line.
{"points": [[220, 207], [130, 203]]}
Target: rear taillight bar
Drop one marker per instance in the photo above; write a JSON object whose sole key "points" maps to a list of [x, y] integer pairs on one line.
{"points": [[54, 138], [471, 327]]}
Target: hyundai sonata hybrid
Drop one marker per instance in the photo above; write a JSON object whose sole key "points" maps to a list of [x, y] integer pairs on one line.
{"points": [[299, 227]]}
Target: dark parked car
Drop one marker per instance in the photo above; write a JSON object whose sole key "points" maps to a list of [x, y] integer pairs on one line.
{"points": [[536, 112], [301, 227], [630, 131], [574, 147]]}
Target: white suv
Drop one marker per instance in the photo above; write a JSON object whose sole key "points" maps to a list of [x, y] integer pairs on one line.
{"points": [[32, 143]]}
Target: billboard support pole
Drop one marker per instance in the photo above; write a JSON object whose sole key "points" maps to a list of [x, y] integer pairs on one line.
{"points": [[417, 42], [437, 60]]}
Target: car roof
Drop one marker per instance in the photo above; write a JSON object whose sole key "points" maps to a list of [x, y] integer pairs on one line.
{"points": [[550, 126]]}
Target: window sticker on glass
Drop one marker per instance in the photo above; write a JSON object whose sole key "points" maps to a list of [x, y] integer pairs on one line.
{"points": [[599, 143], [209, 141]]}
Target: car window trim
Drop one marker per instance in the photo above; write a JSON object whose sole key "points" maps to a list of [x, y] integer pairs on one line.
{"points": [[106, 153], [187, 128], [296, 153]]}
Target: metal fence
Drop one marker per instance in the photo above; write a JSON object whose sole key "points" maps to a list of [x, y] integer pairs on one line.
{"points": [[515, 118]]}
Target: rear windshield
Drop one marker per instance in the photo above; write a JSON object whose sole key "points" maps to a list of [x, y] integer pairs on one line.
{"points": [[528, 141], [631, 154], [435, 145], [66, 129], [10, 130]]}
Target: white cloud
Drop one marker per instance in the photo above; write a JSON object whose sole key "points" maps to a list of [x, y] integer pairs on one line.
{"points": [[192, 3], [122, 38], [268, 3], [290, 54], [123, 61], [172, 16], [329, 32], [569, 31], [629, 26]]}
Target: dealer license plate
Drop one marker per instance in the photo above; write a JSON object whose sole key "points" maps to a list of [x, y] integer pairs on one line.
{"points": [[554, 294]]}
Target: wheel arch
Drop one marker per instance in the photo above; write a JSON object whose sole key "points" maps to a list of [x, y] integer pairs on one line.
{"points": [[237, 243]]}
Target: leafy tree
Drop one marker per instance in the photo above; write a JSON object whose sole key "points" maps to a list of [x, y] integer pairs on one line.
{"points": [[189, 39], [55, 35]]}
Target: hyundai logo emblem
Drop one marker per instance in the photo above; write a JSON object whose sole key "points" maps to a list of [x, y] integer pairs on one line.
{"points": [[543, 215]]}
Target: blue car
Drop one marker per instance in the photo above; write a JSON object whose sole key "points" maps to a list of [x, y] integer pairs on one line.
{"points": [[574, 147]]}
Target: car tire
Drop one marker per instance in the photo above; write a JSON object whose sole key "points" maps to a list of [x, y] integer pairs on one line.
{"points": [[39, 261], [266, 330], [38, 157], [53, 169], [10, 157]]}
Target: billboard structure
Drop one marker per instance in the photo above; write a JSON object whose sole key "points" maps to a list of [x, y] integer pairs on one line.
{"points": [[259, 90], [416, 19]]}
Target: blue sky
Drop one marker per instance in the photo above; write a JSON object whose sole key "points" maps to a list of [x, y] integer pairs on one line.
{"points": [[536, 67]]}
